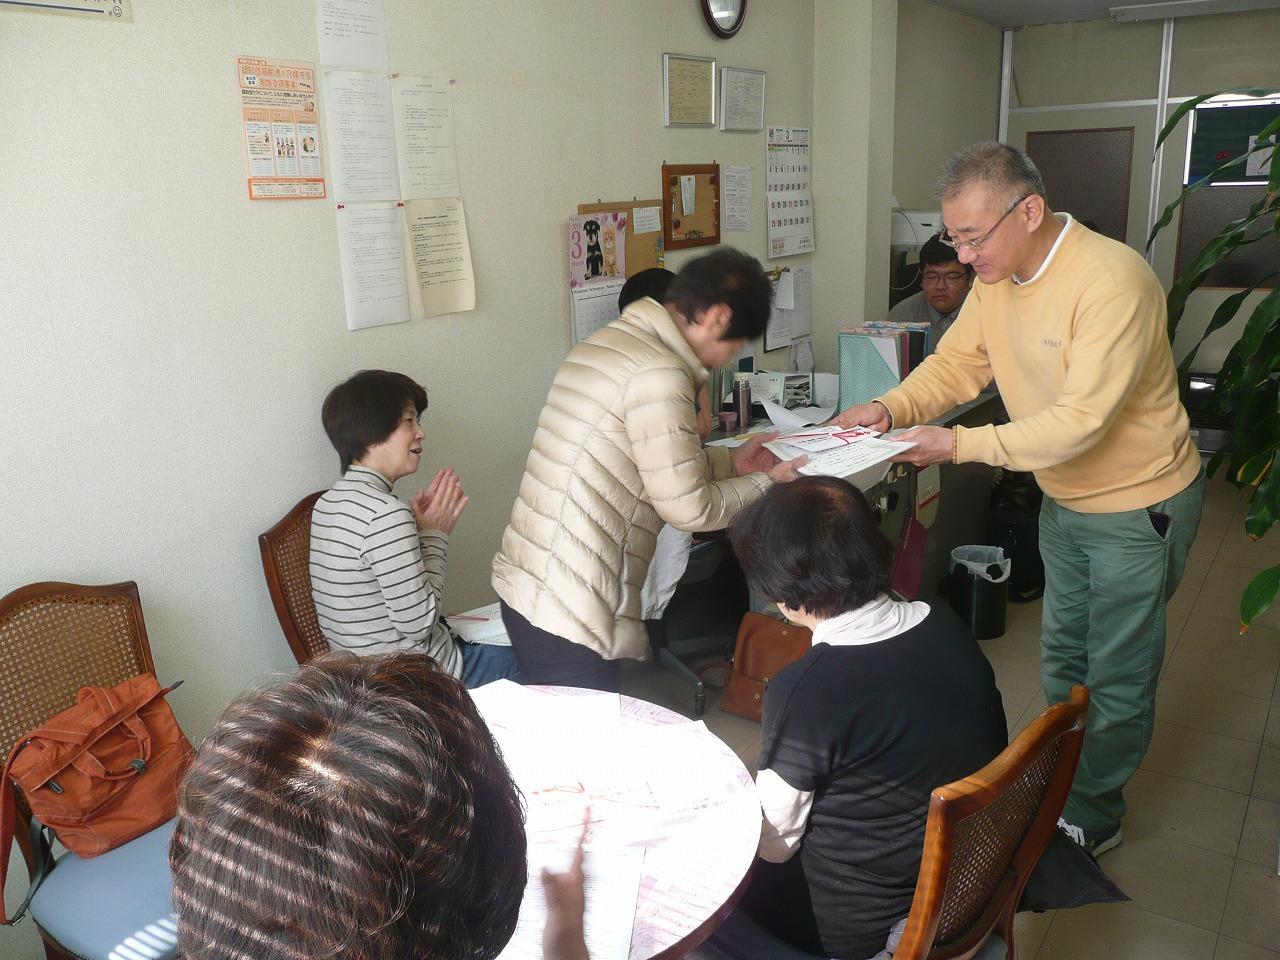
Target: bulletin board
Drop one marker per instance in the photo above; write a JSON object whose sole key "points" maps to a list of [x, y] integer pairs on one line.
{"points": [[701, 226], [643, 250]]}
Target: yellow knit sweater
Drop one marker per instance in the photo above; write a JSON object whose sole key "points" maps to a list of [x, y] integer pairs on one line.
{"points": [[1082, 360]]}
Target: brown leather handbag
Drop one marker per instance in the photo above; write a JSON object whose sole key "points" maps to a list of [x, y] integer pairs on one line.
{"points": [[764, 647], [98, 774]]}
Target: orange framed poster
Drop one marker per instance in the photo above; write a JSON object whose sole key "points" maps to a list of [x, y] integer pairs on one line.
{"points": [[281, 129]]}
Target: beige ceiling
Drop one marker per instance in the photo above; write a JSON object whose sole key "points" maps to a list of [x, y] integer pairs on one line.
{"points": [[1022, 13]]}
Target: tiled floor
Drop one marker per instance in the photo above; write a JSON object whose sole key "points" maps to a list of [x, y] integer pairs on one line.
{"points": [[1203, 827]]}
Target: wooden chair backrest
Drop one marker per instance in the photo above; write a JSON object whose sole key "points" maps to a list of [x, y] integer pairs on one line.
{"points": [[286, 561], [986, 832], [54, 639]]}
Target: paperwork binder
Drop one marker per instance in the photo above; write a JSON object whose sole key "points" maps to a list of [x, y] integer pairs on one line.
{"points": [[869, 365]]}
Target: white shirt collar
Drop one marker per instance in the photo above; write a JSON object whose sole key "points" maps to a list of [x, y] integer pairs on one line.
{"points": [[872, 622], [1067, 220]]}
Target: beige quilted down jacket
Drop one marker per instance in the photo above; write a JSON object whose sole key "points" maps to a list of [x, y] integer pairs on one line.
{"points": [[616, 453]]}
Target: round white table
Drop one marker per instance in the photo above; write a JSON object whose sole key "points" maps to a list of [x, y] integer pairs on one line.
{"points": [[697, 830]]}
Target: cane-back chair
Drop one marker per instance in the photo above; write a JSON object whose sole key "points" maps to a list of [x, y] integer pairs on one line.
{"points": [[286, 561], [54, 639]]}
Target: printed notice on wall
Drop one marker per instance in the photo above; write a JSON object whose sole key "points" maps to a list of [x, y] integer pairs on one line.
{"points": [[352, 34], [788, 202], [281, 129], [119, 11], [362, 136], [441, 256], [371, 248], [424, 130], [737, 197]]}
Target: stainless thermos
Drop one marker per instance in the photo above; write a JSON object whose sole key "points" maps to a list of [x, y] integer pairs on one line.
{"points": [[742, 401]]}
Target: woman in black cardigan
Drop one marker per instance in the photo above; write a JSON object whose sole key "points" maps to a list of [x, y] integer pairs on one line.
{"points": [[893, 699]]}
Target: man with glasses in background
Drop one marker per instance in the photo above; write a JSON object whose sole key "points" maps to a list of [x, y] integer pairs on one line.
{"points": [[945, 282], [1072, 326]]}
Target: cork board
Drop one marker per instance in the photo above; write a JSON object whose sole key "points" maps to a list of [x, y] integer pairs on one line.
{"points": [[644, 250], [686, 224]]}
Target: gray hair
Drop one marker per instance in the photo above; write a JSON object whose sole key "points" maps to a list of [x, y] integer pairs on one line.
{"points": [[1005, 171]]}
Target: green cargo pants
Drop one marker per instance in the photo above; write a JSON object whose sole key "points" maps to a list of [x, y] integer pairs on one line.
{"points": [[1108, 577]]}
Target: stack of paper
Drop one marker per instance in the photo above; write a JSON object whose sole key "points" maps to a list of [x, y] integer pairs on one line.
{"points": [[837, 451]]}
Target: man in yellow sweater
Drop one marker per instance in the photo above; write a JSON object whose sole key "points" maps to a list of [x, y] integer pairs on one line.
{"points": [[1071, 325]]}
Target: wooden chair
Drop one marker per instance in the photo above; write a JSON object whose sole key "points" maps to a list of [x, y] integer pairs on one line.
{"points": [[286, 561], [982, 839], [984, 836], [54, 639]]}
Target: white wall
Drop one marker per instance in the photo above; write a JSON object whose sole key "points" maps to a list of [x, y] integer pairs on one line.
{"points": [[947, 94], [165, 344], [852, 156]]}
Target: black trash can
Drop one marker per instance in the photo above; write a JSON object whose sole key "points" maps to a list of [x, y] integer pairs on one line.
{"points": [[978, 589]]}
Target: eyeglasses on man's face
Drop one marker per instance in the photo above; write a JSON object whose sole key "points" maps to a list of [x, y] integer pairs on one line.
{"points": [[939, 278], [976, 242]]}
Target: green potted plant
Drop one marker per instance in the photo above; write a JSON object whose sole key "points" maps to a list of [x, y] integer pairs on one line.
{"points": [[1247, 382]]}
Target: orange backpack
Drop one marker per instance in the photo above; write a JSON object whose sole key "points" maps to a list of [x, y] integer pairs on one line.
{"points": [[98, 774]]}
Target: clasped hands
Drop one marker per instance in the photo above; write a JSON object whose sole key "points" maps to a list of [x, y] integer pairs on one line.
{"points": [[932, 444], [440, 505]]}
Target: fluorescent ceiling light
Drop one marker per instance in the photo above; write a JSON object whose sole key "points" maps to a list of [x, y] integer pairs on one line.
{"points": [[1187, 8]]}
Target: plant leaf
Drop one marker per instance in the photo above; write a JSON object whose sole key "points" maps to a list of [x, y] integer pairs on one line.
{"points": [[1258, 595], [1221, 317], [1189, 105], [1260, 322], [1262, 508], [1206, 180]]}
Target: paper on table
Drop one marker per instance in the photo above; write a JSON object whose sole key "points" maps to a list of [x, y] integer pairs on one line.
{"points": [[799, 417], [428, 161], [736, 194], [437, 230], [612, 884], [646, 219], [362, 152], [481, 625], [371, 252], [594, 305], [352, 33]]}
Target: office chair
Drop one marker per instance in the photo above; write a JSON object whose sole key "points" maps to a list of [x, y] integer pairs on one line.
{"points": [[54, 639], [982, 840], [707, 606], [286, 562]]}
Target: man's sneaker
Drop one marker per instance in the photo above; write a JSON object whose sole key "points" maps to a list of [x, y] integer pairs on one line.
{"points": [[1097, 842]]}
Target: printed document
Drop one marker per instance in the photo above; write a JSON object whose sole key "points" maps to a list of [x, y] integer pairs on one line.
{"points": [[837, 451]]}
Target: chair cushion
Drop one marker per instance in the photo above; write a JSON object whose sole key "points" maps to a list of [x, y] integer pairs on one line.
{"points": [[116, 906], [994, 949]]}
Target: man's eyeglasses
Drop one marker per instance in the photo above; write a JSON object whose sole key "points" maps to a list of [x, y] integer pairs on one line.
{"points": [[931, 279], [976, 242]]}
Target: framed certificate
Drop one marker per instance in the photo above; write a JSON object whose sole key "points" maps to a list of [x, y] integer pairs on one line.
{"points": [[741, 99], [688, 90]]}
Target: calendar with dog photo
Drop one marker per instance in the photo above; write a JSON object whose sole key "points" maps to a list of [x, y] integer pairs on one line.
{"points": [[597, 247]]}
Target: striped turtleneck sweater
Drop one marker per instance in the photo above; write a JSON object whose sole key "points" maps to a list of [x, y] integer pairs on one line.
{"points": [[377, 580]]}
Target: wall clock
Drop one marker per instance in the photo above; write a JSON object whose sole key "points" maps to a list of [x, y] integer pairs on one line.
{"points": [[724, 17]]}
